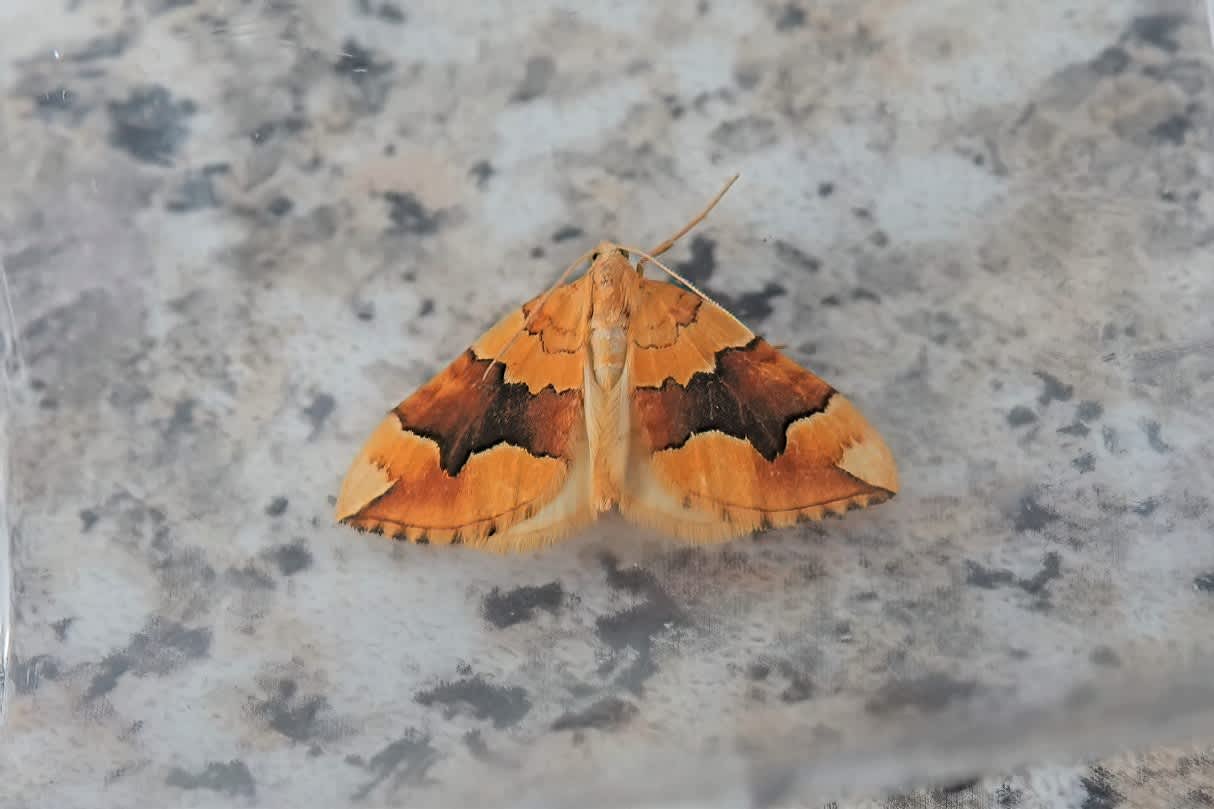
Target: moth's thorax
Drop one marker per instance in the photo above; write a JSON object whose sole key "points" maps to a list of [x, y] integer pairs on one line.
{"points": [[613, 281]]}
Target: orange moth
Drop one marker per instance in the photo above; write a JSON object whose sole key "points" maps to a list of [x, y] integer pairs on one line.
{"points": [[615, 391]]}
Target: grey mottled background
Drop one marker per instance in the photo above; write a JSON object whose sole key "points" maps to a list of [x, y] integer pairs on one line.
{"points": [[234, 233]]}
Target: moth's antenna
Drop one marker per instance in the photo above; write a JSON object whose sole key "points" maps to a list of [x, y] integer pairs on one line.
{"points": [[666, 245], [647, 257], [539, 305]]}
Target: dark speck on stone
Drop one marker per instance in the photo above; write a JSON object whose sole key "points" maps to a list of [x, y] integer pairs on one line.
{"points": [[160, 648], [150, 125], [1146, 507], [292, 558], [88, 518], [183, 417], [102, 47], [61, 626], [747, 76], [296, 722], [1085, 462], [1089, 411], [408, 215], [1151, 428], [1200, 797], [1051, 569], [277, 507], [799, 689], [703, 262], [475, 742], [791, 16], [537, 251], [388, 12], [358, 63], [537, 76], [606, 714], [249, 578], [1111, 61], [636, 627], [391, 13], [795, 255], [162, 6], [959, 787], [1158, 30], [519, 604], [826, 189], [1055, 390], [426, 308], [319, 410], [414, 751], [753, 306], [1101, 794], [297, 719], [262, 133], [1032, 516], [504, 706], [1020, 415], [197, 191], [1077, 428], [931, 693], [879, 239], [979, 576], [481, 171], [280, 206], [60, 98], [1205, 583], [861, 294], [831, 300], [232, 778], [566, 233], [1104, 656], [1173, 129]]}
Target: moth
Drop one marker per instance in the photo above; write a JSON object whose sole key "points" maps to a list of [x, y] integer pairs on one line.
{"points": [[615, 391]]}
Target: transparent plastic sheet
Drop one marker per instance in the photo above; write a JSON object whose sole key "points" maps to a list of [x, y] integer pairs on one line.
{"points": [[11, 379], [236, 233]]}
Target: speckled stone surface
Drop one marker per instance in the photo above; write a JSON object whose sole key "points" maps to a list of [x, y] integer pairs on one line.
{"points": [[235, 233]]}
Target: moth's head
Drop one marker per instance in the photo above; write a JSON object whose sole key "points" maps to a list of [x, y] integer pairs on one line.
{"points": [[608, 261], [608, 251]]}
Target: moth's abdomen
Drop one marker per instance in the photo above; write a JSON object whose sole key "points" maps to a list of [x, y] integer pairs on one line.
{"points": [[608, 350]]}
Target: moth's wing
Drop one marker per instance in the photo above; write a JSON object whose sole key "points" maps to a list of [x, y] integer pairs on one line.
{"points": [[730, 436], [499, 461]]}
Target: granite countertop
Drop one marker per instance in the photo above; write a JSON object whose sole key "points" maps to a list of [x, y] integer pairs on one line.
{"points": [[234, 234]]}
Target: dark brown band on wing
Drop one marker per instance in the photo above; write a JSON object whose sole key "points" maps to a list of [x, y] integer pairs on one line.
{"points": [[754, 395], [465, 414]]}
